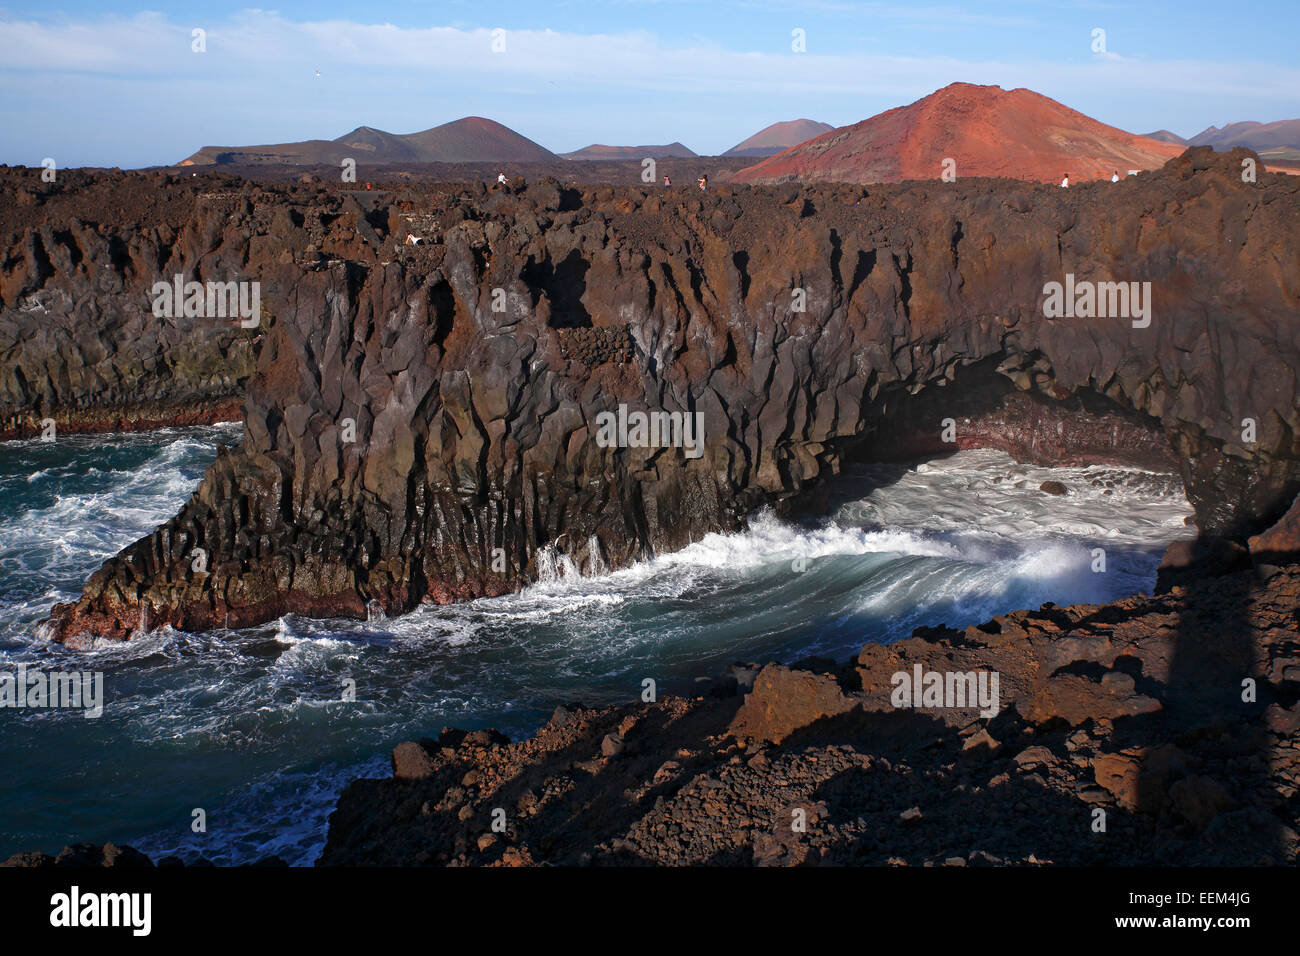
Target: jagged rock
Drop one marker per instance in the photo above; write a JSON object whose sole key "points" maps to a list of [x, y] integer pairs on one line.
{"points": [[785, 700], [421, 424], [1074, 699], [1034, 757], [561, 717], [1280, 544], [412, 762], [486, 738], [83, 855], [981, 739], [1136, 777], [689, 795]]}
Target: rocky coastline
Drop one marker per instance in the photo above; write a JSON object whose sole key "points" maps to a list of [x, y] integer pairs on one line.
{"points": [[421, 420], [420, 425], [1123, 737]]}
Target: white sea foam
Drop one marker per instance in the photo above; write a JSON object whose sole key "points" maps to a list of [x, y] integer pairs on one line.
{"points": [[260, 710]]}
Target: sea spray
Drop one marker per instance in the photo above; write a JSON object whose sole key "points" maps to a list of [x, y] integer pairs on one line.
{"points": [[263, 708]]}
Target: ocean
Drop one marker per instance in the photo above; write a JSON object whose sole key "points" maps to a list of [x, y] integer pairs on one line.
{"points": [[252, 726]]}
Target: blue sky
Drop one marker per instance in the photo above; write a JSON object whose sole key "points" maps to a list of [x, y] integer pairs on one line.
{"points": [[115, 84]]}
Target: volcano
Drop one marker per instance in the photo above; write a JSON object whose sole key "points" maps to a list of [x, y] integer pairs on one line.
{"points": [[472, 139], [778, 137], [985, 130], [598, 151]]}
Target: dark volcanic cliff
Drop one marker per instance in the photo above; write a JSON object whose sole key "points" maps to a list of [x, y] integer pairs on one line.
{"points": [[78, 339], [472, 369]]}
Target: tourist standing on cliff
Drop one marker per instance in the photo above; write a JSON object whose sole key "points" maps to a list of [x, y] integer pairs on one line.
{"points": [[668, 182], [704, 183], [1115, 178], [1065, 183], [501, 179]]}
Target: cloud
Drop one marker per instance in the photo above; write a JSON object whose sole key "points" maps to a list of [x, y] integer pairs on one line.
{"points": [[257, 42]]}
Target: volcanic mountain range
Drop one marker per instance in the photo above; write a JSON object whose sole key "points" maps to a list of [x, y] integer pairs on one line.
{"points": [[1277, 141], [983, 130], [472, 139]]}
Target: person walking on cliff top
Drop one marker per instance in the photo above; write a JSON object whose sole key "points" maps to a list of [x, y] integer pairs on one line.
{"points": [[1065, 183], [1115, 177]]}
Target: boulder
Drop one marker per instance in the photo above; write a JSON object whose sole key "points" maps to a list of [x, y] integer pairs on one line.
{"points": [[412, 762], [1280, 544], [785, 700]]}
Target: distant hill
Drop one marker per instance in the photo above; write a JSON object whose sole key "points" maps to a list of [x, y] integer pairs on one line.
{"points": [[1277, 142], [986, 130], [778, 137], [1166, 137], [469, 140], [597, 151], [1283, 134]]}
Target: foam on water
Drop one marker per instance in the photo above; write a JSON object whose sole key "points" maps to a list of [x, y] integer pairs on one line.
{"points": [[252, 725]]}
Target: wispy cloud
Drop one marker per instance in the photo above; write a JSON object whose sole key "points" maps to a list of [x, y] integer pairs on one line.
{"points": [[256, 43]]}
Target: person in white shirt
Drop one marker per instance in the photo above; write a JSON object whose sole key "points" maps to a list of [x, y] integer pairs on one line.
{"points": [[1065, 183], [501, 178], [1115, 178]]}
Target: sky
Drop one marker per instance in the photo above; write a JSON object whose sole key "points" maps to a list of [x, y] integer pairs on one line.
{"points": [[112, 83]]}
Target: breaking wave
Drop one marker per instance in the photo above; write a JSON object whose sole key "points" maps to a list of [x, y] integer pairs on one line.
{"points": [[252, 726]]}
